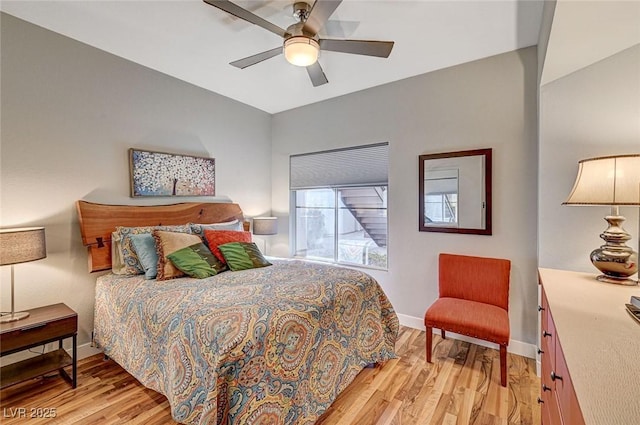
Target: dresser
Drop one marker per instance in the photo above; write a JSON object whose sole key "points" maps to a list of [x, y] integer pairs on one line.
{"points": [[589, 350]]}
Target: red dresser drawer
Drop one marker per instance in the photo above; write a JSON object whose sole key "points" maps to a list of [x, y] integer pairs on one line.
{"points": [[571, 414]]}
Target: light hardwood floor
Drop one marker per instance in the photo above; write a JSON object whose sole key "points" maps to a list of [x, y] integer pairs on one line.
{"points": [[462, 386]]}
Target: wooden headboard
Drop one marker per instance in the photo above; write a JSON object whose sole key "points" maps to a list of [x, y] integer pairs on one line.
{"points": [[98, 221]]}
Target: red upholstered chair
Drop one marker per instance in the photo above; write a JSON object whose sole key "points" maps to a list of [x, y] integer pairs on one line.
{"points": [[474, 301]]}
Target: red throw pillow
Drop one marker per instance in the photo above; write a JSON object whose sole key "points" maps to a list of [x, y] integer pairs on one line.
{"points": [[216, 238]]}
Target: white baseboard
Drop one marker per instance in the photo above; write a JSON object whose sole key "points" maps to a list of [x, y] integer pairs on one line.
{"points": [[84, 351], [411, 322], [516, 347], [87, 350]]}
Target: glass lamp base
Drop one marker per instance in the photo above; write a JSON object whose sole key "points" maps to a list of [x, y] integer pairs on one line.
{"points": [[13, 317]]}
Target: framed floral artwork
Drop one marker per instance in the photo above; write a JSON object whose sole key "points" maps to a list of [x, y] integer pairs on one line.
{"points": [[166, 174]]}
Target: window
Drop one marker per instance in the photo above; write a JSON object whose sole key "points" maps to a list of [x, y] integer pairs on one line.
{"points": [[339, 205]]}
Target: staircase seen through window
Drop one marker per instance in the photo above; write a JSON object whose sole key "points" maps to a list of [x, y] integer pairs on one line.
{"points": [[344, 225]]}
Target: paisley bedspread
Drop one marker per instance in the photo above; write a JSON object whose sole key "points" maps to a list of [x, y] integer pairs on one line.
{"points": [[273, 345]]}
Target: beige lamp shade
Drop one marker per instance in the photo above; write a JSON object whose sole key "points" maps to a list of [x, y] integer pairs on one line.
{"points": [[20, 245], [265, 225], [611, 180]]}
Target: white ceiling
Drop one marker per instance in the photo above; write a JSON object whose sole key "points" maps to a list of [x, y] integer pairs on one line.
{"points": [[195, 42], [585, 32]]}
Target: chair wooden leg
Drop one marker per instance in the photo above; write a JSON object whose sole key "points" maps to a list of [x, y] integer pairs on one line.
{"points": [[503, 365], [442, 333], [429, 343]]}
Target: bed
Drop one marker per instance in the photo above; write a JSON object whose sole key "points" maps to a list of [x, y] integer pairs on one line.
{"points": [[269, 345]]}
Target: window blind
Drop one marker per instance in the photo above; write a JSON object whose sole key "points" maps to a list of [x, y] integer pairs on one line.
{"points": [[357, 166]]}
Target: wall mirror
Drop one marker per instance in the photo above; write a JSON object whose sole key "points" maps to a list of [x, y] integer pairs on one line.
{"points": [[455, 192]]}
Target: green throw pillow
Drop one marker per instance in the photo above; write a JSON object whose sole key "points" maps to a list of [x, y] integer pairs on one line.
{"points": [[196, 261], [242, 256]]}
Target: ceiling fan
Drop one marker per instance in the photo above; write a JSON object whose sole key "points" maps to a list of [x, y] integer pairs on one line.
{"points": [[301, 41]]}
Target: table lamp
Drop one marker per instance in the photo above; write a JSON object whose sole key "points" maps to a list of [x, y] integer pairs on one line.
{"points": [[20, 245], [265, 226], [613, 181]]}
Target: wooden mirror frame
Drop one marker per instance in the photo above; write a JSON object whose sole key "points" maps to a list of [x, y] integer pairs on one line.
{"points": [[487, 189]]}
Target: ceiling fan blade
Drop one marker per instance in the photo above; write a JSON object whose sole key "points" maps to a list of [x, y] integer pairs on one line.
{"points": [[338, 29], [257, 58], [244, 14], [319, 15], [381, 49], [317, 74]]}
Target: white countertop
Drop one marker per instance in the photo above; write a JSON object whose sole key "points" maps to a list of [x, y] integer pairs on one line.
{"points": [[601, 344]]}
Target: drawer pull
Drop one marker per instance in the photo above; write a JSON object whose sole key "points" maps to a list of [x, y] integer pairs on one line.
{"points": [[554, 376], [545, 333], [540, 401], [545, 388], [540, 351], [32, 327], [540, 308]]}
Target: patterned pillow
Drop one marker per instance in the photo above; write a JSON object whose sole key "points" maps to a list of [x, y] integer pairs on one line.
{"points": [[128, 256], [198, 229], [145, 247], [218, 237], [197, 261], [116, 254], [167, 243], [243, 256]]}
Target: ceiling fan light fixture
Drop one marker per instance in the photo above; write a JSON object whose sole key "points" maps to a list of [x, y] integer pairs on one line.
{"points": [[301, 50]]}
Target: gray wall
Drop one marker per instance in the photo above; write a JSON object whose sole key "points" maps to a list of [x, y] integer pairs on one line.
{"points": [[490, 103], [592, 112], [548, 10], [69, 114]]}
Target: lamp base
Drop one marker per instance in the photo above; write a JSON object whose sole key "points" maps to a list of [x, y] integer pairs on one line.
{"points": [[620, 281], [615, 259], [13, 317]]}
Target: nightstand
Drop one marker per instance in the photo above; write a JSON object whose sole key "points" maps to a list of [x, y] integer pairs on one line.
{"points": [[44, 325]]}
